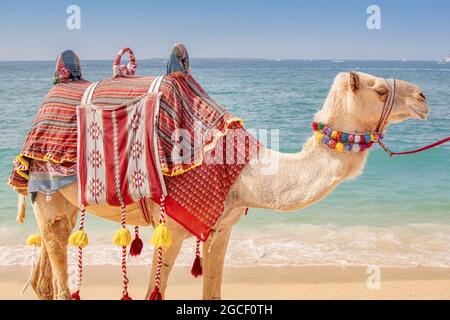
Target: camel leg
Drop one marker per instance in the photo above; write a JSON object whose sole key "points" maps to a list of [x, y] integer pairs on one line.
{"points": [[214, 251], [179, 234], [56, 219], [41, 280]]}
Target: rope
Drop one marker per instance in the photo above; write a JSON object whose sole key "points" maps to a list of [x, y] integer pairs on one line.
{"points": [[197, 247], [162, 219], [80, 252], [430, 146], [125, 279], [33, 266]]}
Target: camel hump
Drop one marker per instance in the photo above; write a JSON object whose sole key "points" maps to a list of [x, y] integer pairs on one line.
{"points": [[68, 67]]}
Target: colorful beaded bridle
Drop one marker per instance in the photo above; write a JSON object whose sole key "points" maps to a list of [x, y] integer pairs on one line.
{"points": [[360, 142]]}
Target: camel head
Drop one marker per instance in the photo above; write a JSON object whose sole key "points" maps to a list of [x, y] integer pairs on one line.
{"points": [[356, 100]]}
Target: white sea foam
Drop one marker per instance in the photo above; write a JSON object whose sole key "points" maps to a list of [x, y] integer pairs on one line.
{"points": [[299, 244]]}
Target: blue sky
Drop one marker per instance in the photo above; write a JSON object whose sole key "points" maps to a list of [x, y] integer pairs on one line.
{"points": [[36, 30]]}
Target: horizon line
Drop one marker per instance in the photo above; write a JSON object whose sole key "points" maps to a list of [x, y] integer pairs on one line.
{"points": [[251, 58]]}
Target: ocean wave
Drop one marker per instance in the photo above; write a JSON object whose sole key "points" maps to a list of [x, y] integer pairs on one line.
{"points": [[293, 245]]}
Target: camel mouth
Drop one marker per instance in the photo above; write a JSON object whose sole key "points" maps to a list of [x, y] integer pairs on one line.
{"points": [[420, 112]]}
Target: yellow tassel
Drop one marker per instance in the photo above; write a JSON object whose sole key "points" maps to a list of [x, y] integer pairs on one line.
{"points": [[162, 237], [340, 147], [122, 238], [79, 239], [34, 240], [334, 134]]}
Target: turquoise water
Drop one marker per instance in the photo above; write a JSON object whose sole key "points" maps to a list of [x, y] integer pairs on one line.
{"points": [[397, 212]]}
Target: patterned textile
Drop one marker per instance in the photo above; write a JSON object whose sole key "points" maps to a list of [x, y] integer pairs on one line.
{"points": [[121, 70], [196, 198], [48, 176], [67, 68], [116, 153], [53, 135], [184, 104], [178, 60]]}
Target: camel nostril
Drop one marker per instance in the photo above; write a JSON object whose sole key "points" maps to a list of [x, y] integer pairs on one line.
{"points": [[422, 96]]}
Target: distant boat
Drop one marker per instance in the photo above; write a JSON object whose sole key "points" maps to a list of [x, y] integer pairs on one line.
{"points": [[405, 60], [336, 61], [278, 60], [445, 60]]}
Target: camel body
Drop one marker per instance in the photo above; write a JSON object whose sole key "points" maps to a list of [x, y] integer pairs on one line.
{"points": [[354, 104]]}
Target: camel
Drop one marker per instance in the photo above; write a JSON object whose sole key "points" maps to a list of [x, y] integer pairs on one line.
{"points": [[354, 104]]}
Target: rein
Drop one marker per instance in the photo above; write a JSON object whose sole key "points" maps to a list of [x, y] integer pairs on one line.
{"points": [[387, 109]]}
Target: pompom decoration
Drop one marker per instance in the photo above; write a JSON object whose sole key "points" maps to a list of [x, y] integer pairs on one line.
{"points": [[136, 246], [197, 269], [340, 147], [126, 297], [319, 137], [76, 295], [122, 238], [156, 294], [34, 240], [79, 239], [348, 147], [325, 139], [162, 237], [362, 139], [343, 141]]}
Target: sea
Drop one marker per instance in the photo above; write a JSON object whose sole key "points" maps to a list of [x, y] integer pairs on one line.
{"points": [[396, 214]]}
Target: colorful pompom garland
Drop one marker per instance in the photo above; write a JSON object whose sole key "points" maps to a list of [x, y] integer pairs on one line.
{"points": [[342, 141]]}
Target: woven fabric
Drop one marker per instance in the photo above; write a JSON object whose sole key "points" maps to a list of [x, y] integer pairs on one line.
{"points": [[116, 153], [196, 199], [184, 105]]}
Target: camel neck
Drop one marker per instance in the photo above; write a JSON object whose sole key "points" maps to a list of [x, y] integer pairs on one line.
{"points": [[297, 180]]}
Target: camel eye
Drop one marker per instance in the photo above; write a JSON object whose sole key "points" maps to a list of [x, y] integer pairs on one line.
{"points": [[381, 91]]}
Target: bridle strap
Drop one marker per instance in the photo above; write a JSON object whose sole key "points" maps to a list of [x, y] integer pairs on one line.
{"points": [[387, 107]]}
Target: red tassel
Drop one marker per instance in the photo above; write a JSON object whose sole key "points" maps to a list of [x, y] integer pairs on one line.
{"points": [[155, 295], [126, 297], [136, 246], [197, 269], [76, 295]]}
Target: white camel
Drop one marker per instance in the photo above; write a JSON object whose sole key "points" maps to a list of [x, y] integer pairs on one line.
{"points": [[354, 104]]}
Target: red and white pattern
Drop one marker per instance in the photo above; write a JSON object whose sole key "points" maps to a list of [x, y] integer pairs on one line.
{"points": [[117, 163]]}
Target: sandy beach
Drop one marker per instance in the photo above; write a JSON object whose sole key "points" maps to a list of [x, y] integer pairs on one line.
{"points": [[321, 282]]}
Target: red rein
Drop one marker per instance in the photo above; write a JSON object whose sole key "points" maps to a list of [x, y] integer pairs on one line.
{"points": [[391, 154]]}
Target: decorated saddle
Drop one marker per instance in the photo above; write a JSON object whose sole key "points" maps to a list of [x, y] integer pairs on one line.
{"points": [[129, 138], [196, 190]]}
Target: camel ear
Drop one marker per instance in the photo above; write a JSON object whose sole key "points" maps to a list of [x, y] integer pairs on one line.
{"points": [[354, 81]]}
